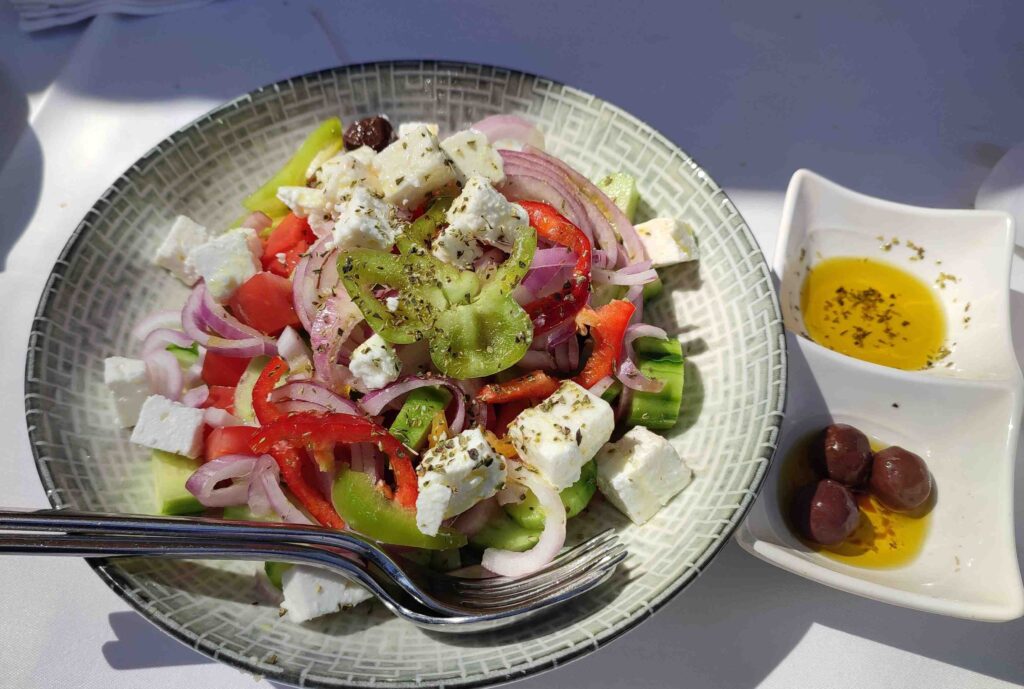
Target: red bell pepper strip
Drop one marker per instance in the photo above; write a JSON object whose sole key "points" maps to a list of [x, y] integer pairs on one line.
{"points": [[607, 327], [307, 428], [290, 459], [553, 309], [534, 385]]}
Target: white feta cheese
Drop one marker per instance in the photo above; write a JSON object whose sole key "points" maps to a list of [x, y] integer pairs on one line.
{"points": [[225, 262], [407, 127], [319, 159], [640, 473], [166, 425], [296, 353], [128, 384], [374, 364], [311, 592], [303, 201], [364, 221], [185, 234], [364, 154], [413, 167], [473, 156], [391, 303], [668, 241], [455, 475], [562, 433], [479, 214], [343, 173]]}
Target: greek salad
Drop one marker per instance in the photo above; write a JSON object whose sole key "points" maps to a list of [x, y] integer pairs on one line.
{"points": [[430, 341]]}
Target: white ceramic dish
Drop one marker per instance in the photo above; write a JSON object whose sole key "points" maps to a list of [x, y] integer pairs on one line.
{"points": [[961, 415]]}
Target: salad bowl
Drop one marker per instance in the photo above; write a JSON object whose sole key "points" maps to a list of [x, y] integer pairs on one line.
{"points": [[724, 312]]}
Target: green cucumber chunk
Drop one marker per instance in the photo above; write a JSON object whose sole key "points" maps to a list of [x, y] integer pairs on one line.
{"points": [[275, 571], [530, 515], [170, 471], [243, 391], [412, 424], [662, 360], [653, 289], [502, 532], [621, 189]]}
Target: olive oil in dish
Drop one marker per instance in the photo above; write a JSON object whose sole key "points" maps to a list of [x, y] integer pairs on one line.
{"points": [[874, 311]]}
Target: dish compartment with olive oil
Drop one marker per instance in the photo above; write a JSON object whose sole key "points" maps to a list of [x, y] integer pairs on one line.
{"points": [[897, 323]]}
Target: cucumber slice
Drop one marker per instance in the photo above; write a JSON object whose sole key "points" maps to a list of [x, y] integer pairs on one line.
{"points": [[170, 472], [653, 289], [529, 513], [621, 189], [504, 533], [275, 571], [412, 424], [663, 360], [243, 391]]}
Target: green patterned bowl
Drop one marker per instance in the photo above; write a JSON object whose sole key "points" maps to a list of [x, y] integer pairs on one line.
{"points": [[724, 310]]}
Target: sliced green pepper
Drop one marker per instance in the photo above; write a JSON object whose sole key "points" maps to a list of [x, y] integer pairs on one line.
{"points": [[366, 510], [326, 138], [530, 515], [417, 413], [416, 236]]}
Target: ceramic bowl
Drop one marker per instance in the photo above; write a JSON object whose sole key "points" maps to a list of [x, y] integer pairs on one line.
{"points": [[724, 310], [961, 415]]}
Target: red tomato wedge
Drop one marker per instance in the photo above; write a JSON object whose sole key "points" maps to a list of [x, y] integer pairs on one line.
{"points": [[223, 370], [289, 240], [222, 397], [229, 440], [264, 302]]}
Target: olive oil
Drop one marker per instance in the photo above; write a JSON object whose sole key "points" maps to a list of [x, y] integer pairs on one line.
{"points": [[883, 540], [874, 311]]}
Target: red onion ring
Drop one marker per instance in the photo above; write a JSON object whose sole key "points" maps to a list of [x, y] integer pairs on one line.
{"points": [[203, 481], [499, 128], [164, 374], [600, 386], [529, 178], [333, 325], [264, 492], [313, 397], [232, 338], [512, 564], [315, 279], [476, 517], [157, 319], [621, 277], [628, 372], [534, 360], [161, 337], [258, 221], [196, 397], [374, 402]]}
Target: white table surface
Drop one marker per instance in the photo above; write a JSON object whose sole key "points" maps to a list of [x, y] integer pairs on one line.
{"points": [[912, 101]]}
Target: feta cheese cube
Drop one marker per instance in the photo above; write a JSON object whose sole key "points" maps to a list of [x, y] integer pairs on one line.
{"points": [[640, 473], [374, 364], [303, 201], [473, 156], [166, 425], [668, 241], [364, 154], [479, 214], [455, 475], [296, 353], [562, 433], [364, 221], [128, 384], [312, 592], [407, 128], [225, 262], [343, 173], [413, 167], [185, 234]]}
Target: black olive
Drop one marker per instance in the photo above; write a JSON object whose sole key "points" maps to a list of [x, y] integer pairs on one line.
{"points": [[900, 479], [843, 454], [374, 132], [825, 512]]}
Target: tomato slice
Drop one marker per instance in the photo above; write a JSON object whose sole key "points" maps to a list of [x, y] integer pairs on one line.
{"points": [[229, 440], [223, 370], [289, 234], [264, 302], [222, 397]]}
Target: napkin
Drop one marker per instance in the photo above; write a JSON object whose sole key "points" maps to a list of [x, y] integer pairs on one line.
{"points": [[35, 15]]}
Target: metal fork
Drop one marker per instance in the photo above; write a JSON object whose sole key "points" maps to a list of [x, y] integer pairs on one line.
{"points": [[416, 593]]}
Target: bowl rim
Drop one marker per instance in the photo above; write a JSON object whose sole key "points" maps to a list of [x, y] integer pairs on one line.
{"points": [[113, 578]]}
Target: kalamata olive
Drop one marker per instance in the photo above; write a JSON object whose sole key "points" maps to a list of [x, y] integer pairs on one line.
{"points": [[825, 512], [900, 479], [374, 132], [844, 455]]}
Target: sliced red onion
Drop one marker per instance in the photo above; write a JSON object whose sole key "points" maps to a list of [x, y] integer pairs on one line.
{"points": [[196, 396], [202, 483], [490, 257], [161, 337], [472, 520], [375, 402], [164, 374], [512, 564], [155, 320], [600, 386], [567, 355], [333, 325], [194, 373], [623, 227], [229, 337], [257, 221], [314, 280], [510, 128], [635, 296], [621, 277], [217, 418], [534, 360], [625, 402], [628, 372], [599, 259], [528, 178], [312, 397], [265, 491]]}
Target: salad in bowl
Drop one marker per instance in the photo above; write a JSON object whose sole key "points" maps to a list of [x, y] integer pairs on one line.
{"points": [[437, 342]]}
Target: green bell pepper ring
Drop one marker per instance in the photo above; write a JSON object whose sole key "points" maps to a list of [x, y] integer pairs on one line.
{"points": [[367, 511], [421, 231], [326, 138]]}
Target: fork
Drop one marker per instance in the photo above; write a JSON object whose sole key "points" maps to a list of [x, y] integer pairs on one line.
{"points": [[413, 592]]}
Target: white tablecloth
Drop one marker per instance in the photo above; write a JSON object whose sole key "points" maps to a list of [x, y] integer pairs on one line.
{"points": [[909, 103]]}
